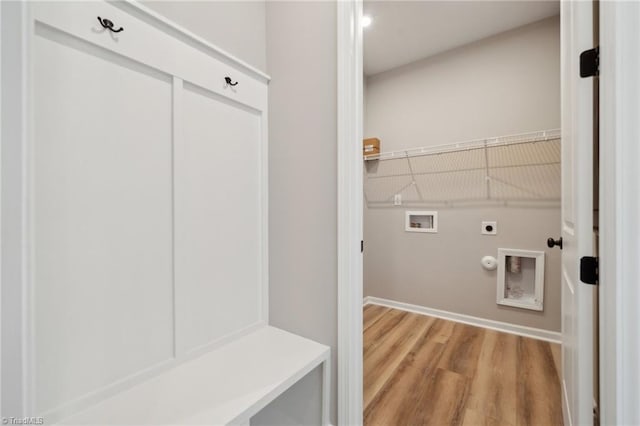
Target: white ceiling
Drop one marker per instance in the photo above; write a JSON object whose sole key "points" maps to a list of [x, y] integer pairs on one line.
{"points": [[406, 31]]}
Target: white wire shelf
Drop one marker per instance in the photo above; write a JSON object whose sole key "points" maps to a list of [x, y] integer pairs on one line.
{"points": [[522, 168], [539, 136]]}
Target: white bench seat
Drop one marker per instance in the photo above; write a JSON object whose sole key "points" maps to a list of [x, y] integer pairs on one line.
{"points": [[225, 386]]}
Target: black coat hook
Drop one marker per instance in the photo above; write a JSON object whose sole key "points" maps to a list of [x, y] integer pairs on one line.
{"points": [[107, 24], [228, 80]]}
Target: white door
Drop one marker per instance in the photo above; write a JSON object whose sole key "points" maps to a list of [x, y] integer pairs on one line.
{"points": [[577, 215]]}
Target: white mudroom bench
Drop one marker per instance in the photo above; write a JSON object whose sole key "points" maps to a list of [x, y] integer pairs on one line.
{"points": [[226, 386]]}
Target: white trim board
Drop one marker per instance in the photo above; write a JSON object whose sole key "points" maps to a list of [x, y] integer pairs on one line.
{"points": [[519, 330], [619, 294], [350, 205], [141, 11]]}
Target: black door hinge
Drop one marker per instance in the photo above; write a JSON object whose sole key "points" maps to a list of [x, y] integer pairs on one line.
{"points": [[361, 246], [590, 62], [589, 270]]}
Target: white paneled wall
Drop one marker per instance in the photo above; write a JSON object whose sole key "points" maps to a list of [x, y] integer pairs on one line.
{"points": [[146, 201], [102, 223], [218, 228]]}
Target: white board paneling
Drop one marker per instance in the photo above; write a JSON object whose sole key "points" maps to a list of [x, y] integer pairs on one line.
{"points": [[101, 220], [217, 218], [99, 172]]}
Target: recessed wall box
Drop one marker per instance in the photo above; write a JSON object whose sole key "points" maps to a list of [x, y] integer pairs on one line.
{"points": [[520, 278], [421, 221]]}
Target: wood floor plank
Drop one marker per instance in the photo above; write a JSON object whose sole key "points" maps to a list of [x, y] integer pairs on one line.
{"points": [[445, 331], [421, 370], [422, 356], [463, 350], [371, 314], [445, 405], [422, 397], [380, 363], [493, 388], [373, 336], [539, 396], [408, 378], [421, 359], [475, 418], [556, 350]]}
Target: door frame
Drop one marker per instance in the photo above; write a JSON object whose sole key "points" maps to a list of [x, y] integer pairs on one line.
{"points": [[619, 232], [350, 211], [619, 293]]}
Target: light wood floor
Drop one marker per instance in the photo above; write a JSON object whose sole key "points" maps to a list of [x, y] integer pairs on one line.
{"points": [[420, 370]]}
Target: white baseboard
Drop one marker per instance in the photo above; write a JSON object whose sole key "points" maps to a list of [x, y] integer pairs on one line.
{"points": [[520, 330]]}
